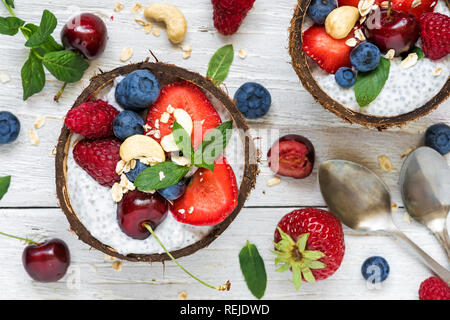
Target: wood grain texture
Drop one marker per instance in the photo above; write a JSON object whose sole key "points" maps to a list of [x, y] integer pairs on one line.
{"points": [[264, 35]]}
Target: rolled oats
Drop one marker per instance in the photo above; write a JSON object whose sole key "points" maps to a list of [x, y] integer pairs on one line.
{"points": [[409, 61], [243, 54], [126, 54], [116, 192], [4, 77], [390, 54], [273, 181], [136, 8], [351, 42], [118, 7], [39, 123], [34, 138], [365, 6], [437, 72], [385, 163]]}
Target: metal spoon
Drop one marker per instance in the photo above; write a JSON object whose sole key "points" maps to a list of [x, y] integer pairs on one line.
{"points": [[360, 199], [425, 188]]}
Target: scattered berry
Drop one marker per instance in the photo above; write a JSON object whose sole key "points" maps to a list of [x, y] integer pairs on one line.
{"points": [[438, 137], [434, 288], [435, 34], [311, 244], [127, 124], [134, 173], [138, 90], [410, 6], [253, 100], [187, 96], [345, 77], [173, 192], [375, 269], [9, 127], [292, 156], [92, 119], [99, 158], [318, 10], [330, 54], [365, 56], [209, 198], [138, 208], [229, 14], [47, 261]]}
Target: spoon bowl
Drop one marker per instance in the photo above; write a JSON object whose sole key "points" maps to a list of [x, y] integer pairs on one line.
{"points": [[425, 189], [360, 199]]}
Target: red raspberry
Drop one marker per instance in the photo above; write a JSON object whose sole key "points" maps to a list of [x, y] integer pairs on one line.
{"points": [[434, 288], [99, 158], [229, 14], [92, 119], [325, 237], [435, 34]]}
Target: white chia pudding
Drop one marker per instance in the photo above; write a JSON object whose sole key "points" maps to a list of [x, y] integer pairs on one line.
{"points": [[405, 89], [97, 211]]}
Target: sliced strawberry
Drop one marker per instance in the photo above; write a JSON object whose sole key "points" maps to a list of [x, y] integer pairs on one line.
{"points": [[354, 3], [330, 54], [210, 196], [187, 96], [414, 7]]}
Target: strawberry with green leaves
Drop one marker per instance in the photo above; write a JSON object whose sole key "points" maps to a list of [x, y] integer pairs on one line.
{"points": [[310, 242]]}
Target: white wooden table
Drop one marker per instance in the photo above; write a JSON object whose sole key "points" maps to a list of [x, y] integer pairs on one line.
{"points": [[30, 208]]}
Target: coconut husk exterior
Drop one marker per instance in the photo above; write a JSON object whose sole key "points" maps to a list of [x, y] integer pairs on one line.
{"points": [[301, 67], [165, 74]]}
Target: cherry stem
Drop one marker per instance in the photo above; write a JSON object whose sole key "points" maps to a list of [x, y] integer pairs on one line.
{"points": [[389, 9], [28, 241], [224, 287], [60, 92]]}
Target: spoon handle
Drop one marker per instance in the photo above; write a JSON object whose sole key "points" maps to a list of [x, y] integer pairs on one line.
{"points": [[442, 236], [439, 270]]}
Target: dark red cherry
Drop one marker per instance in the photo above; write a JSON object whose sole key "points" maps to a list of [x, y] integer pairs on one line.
{"points": [[48, 261], [138, 208], [398, 31], [292, 156], [85, 33]]}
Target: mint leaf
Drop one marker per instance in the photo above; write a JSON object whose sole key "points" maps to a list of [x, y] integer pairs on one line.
{"points": [[253, 269], [369, 84], [151, 178], [4, 185], [419, 52], [46, 27], [33, 76], [10, 25], [10, 3], [220, 63], [213, 145], [183, 141], [48, 46], [66, 66]]}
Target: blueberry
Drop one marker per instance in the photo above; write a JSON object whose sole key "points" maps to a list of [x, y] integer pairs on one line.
{"points": [[365, 56], [127, 124], [319, 10], [375, 269], [9, 127], [174, 192], [438, 137], [253, 100], [134, 173], [345, 77], [138, 90]]}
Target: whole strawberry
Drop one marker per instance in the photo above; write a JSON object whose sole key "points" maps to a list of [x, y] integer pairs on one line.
{"points": [[434, 288], [435, 34], [310, 242], [99, 158], [92, 119], [229, 14]]}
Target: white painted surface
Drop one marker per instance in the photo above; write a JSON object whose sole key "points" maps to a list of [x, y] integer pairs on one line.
{"points": [[264, 35]]}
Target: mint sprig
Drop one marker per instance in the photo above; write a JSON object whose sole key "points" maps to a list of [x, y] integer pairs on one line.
{"points": [[220, 63], [368, 85], [253, 269], [64, 65], [4, 185], [209, 150]]}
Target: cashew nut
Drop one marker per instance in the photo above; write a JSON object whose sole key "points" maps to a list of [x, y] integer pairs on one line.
{"points": [[140, 146], [340, 21], [172, 17]]}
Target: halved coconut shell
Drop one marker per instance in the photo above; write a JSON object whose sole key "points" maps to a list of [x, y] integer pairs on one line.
{"points": [[301, 67], [165, 74]]}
